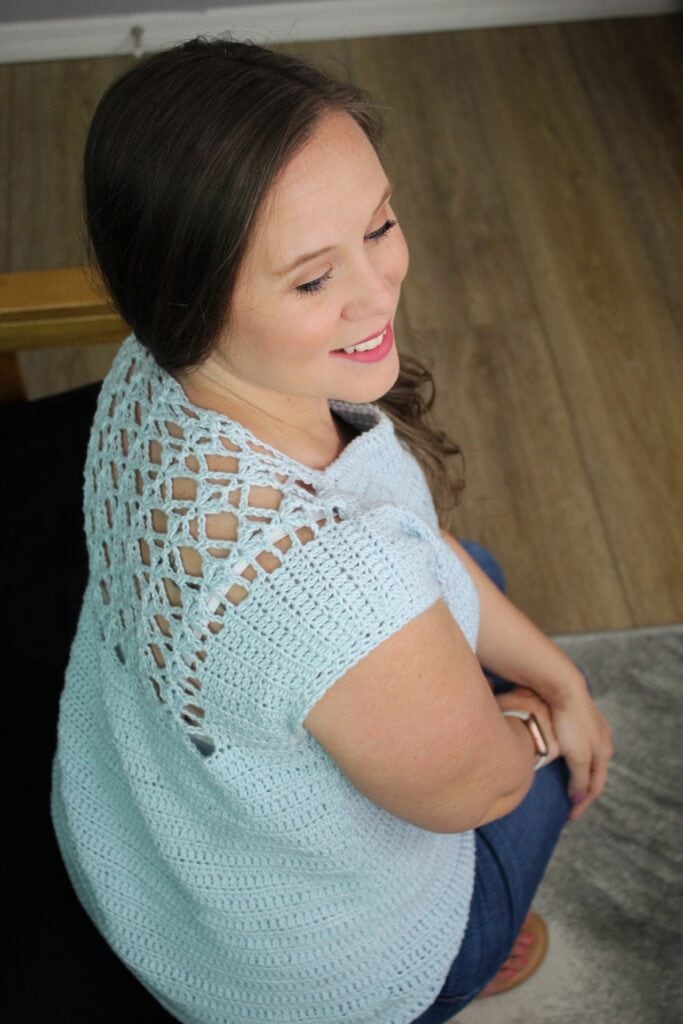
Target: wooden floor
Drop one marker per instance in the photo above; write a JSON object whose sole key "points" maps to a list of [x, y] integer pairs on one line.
{"points": [[539, 175]]}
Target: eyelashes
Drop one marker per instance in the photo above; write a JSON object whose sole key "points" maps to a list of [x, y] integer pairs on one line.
{"points": [[312, 287], [384, 230]]}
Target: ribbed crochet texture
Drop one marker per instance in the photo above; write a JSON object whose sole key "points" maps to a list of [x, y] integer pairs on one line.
{"points": [[213, 842]]}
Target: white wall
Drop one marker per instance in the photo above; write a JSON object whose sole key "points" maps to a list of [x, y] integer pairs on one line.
{"points": [[48, 10], [62, 29]]}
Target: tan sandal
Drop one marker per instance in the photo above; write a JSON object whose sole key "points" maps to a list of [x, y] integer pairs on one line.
{"points": [[526, 956]]}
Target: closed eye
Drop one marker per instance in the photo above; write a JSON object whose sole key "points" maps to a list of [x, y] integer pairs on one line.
{"points": [[312, 287], [384, 230]]}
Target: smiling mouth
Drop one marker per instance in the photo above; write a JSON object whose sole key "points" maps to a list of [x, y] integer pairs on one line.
{"points": [[365, 346]]}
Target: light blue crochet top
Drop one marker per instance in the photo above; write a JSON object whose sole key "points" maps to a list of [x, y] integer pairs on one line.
{"points": [[215, 845]]}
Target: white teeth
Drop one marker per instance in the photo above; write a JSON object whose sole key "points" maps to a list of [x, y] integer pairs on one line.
{"points": [[365, 346]]}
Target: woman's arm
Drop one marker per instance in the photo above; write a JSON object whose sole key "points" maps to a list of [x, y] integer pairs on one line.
{"points": [[414, 726], [511, 646]]}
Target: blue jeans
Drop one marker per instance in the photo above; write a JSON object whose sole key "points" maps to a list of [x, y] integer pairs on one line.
{"points": [[512, 854]]}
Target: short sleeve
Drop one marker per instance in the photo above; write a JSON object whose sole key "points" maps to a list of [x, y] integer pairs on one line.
{"points": [[330, 603]]}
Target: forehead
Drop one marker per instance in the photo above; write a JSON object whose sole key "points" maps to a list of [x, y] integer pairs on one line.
{"points": [[336, 171]]}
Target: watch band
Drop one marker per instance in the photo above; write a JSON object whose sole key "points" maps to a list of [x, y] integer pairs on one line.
{"points": [[532, 724]]}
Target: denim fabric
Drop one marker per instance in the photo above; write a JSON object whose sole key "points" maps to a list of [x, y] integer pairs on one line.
{"points": [[512, 855]]}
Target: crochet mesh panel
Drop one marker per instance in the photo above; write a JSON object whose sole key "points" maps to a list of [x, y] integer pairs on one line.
{"points": [[202, 534]]}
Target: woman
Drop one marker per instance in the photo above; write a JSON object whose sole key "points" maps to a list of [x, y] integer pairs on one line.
{"points": [[284, 788]]}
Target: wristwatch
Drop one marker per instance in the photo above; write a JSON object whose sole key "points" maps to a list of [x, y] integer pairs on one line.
{"points": [[532, 724]]}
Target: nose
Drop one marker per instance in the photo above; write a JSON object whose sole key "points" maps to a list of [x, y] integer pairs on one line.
{"points": [[371, 295]]}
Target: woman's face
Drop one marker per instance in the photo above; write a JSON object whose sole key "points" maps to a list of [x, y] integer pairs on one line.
{"points": [[287, 321]]}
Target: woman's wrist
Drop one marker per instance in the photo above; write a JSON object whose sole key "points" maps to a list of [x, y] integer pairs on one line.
{"points": [[524, 738], [533, 726], [558, 686]]}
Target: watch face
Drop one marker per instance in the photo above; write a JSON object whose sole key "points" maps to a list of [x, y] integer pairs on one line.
{"points": [[531, 722], [537, 733]]}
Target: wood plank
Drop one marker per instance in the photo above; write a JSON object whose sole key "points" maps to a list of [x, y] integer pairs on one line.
{"points": [[49, 293], [53, 308], [609, 325], [467, 305], [631, 74], [48, 333], [53, 103], [38, 167]]}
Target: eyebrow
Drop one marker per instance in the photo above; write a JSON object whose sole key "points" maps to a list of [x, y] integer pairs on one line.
{"points": [[328, 248]]}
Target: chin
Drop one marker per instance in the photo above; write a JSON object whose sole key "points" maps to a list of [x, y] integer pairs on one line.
{"points": [[374, 389]]}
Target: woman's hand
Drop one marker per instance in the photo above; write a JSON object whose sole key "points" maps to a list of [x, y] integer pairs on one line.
{"points": [[581, 734], [585, 740]]}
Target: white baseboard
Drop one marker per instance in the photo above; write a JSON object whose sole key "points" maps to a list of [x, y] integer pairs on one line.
{"points": [[290, 20]]}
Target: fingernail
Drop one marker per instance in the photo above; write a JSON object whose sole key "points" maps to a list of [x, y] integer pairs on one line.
{"points": [[577, 798]]}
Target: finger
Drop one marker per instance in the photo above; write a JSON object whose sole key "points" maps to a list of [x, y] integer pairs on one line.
{"points": [[596, 787], [598, 777], [580, 759], [578, 811], [578, 798]]}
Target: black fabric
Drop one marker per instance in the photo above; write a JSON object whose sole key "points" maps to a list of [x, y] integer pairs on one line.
{"points": [[59, 969]]}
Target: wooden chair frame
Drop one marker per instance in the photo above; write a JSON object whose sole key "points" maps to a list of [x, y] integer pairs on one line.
{"points": [[51, 309]]}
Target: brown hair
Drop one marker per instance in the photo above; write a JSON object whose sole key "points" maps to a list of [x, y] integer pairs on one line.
{"points": [[180, 155]]}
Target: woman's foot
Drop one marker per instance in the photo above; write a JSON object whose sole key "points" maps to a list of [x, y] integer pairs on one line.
{"points": [[525, 957]]}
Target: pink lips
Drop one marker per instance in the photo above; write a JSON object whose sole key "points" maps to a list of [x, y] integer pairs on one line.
{"points": [[375, 354]]}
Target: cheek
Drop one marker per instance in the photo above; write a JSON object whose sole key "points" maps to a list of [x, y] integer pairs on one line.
{"points": [[313, 327]]}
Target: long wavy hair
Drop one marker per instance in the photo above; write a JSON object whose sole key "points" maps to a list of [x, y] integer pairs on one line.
{"points": [[180, 154]]}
